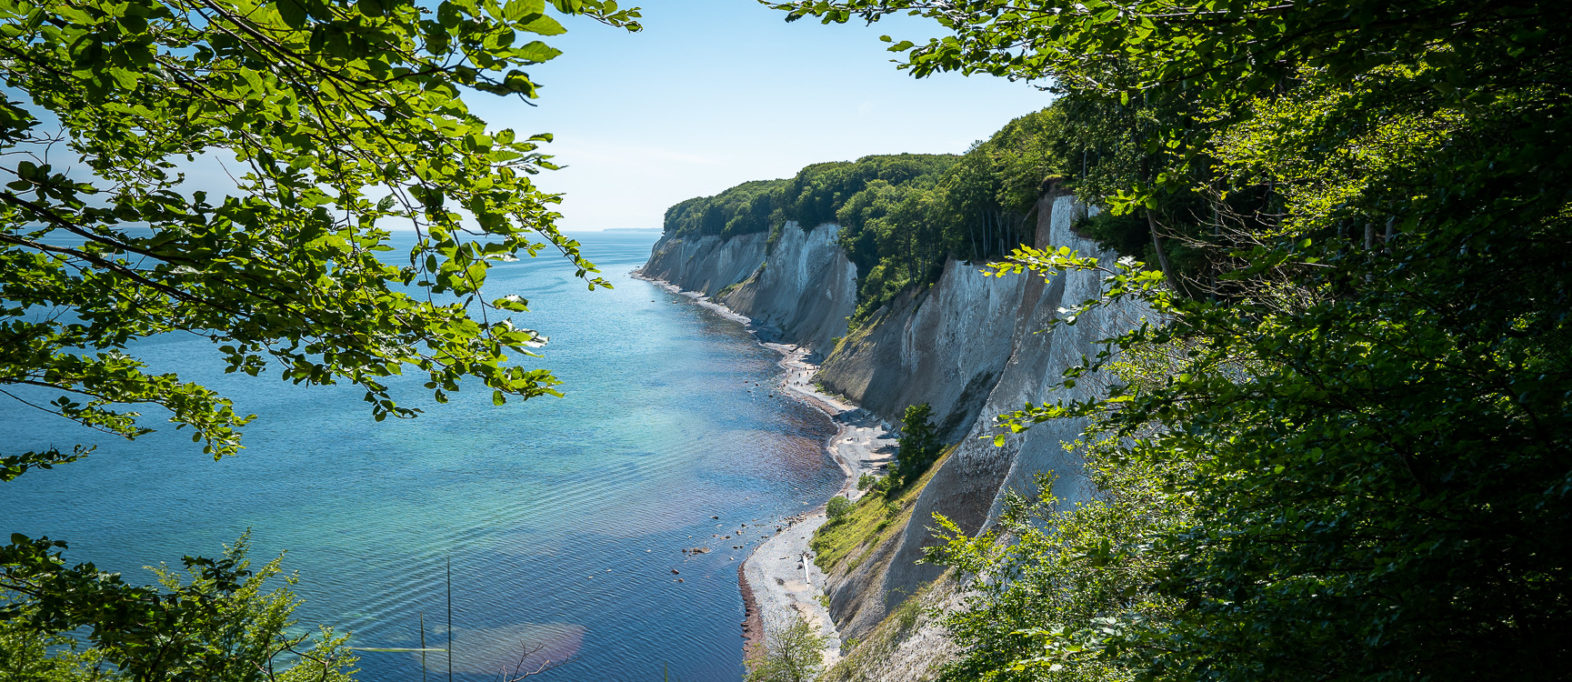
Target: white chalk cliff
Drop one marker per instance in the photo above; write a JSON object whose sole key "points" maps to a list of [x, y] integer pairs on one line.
{"points": [[971, 345]]}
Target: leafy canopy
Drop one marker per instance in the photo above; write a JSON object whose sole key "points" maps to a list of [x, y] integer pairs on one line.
{"points": [[337, 123], [217, 620], [1351, 461], [811, 197], [797, 655], [919, 445]]}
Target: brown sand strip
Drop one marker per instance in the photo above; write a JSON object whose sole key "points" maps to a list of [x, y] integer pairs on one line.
{"points": [[752, 621]]}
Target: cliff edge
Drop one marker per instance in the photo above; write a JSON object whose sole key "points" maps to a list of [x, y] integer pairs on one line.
{"points": [[971, 345]]}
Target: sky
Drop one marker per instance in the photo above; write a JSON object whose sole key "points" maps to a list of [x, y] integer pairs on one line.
{"points": [[713, 93]]}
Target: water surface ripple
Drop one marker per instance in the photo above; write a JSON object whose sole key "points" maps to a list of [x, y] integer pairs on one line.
{"points": [[563, 518]]}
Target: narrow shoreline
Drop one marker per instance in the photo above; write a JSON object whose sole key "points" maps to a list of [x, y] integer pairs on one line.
{"points": [[779, 581], [752, 622]]}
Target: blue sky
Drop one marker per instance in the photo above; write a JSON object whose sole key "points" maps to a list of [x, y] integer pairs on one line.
{"points": [[717, 92]]}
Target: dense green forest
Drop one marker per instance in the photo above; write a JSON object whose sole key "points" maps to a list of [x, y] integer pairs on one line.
{"points": [[1341, 448], [903, 216], [810, 198]]}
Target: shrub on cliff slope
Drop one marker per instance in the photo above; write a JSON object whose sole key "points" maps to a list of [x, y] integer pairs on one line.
{"points": [[875, 519], [797, 655], [837, 508], [918, 445]]}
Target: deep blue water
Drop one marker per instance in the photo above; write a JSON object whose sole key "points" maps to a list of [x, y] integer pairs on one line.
{"points": [[563, 518]]}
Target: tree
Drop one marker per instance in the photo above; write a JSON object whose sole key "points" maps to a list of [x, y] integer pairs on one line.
{"points": [[29, 656], [837, 508], [1371, 408], [918, 443], [797, 655], [338, 123], [1050, 586], [217, 621]]}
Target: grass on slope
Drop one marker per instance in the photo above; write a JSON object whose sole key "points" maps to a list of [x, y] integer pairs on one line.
{"points": [[873, 519]]}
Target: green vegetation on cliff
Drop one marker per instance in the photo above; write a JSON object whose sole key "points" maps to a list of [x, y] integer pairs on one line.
{"points": [[811, 197], [902, 216], [1348, 457], [747, 208], [919, 445], [846, 541], [796, 655], [899, 236]]}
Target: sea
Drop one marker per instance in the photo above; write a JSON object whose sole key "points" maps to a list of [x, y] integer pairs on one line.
{"points": [[547, 530]]}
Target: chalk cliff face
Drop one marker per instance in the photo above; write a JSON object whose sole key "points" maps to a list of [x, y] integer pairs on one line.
{"points": [[969, 489], [804, 293], [945, 346], [971, 345], [800, 290], [705, 264]]}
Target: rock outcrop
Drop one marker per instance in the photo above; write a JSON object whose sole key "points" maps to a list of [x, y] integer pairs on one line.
{"points": [[805, 292], [945, 345], [704, 264], [800, 290], [970, 487]]}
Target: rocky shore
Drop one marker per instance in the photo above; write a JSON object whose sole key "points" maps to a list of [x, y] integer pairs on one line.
{"points": [[779, 582]]}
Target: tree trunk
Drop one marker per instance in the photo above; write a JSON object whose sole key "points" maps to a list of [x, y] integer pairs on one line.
{"points": [[998, 230], [1162, 255], [1028, 230], [971, 234]]}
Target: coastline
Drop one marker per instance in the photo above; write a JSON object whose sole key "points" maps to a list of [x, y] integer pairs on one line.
{"points": [[779, 581]]}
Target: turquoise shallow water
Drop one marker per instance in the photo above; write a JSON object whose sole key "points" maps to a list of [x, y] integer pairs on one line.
{"points": [[563, 518]]}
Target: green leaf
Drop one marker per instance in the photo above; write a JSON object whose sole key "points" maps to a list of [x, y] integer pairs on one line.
{"points": [[536, 52], [293, 13], [544, 25], [515, 10]]}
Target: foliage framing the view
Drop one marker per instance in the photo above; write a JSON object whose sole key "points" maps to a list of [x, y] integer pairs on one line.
{"points": [[336, 123], [1356, 461], [216, 622]]}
